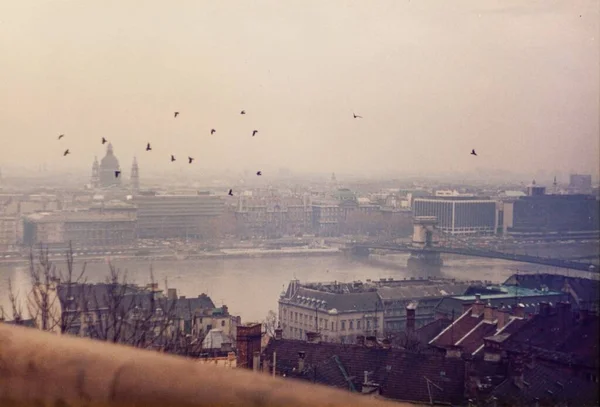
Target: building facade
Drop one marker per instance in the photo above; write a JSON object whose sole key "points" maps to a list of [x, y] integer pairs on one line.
{"points": [[458, 215], [176, 216], [338, 314], [82, 228], [552, 214]]}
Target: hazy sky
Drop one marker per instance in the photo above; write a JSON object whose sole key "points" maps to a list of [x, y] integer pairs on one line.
{"points": [[516, 80]]}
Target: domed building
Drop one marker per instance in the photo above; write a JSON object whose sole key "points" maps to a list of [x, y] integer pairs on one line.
{"points": [[104, 176], [108, 165]]}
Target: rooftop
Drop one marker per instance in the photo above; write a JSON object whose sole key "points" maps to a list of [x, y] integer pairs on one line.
{"points": [[77, 216]]}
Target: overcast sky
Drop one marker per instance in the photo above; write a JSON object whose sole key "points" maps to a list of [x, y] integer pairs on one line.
{"points": [[516, 80]]}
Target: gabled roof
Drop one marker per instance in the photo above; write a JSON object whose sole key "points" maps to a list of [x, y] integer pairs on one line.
{"points": [[457, 331], [547, 385], [401, 375]]}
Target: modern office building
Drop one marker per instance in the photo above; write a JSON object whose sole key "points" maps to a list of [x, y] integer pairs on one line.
{"points": [[580, 184], [459, 215], [552, 214], [82, 228], [176, 216]]}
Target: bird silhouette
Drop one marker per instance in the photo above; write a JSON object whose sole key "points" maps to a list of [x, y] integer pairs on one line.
{"points": [[148, 148], [190, 159], [67, 152], [212, 131], [356, 116], [259, 173], [61, 136], [175, 114], [473, 152], [172, 158], [104, 140], [230, 193], [243, 112], [117, 173], [254, 133]]}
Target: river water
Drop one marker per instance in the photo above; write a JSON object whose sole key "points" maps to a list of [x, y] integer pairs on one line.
{"points": [[250, 287]]}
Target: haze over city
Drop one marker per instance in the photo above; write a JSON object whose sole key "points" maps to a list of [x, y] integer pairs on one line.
{"points": [[518, 81]]}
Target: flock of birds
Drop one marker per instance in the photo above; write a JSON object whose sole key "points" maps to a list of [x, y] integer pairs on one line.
{"points": [[191, 159]]}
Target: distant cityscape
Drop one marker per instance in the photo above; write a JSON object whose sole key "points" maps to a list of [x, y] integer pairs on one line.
{"points": [[528, 338], [112, 213]]}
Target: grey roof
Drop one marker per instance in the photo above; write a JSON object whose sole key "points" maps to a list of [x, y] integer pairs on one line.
{"points": [[186, 308], [423, 291], [346, 302]]}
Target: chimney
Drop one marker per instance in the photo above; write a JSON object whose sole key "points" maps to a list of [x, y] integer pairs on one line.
{"points": [[313, 337], [478, 306], [519, 311], [502, 315], [488, 313], [172, 293], [544, 309], [247, 342], [256, 361], [516, 371], [360, 340], [278, 333], [491, 351], [371, 341], [386, 344], [225, 310], [301, 356], [410, 319]]}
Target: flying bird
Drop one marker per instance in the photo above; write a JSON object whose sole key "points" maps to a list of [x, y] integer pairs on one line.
{"points": [[259, 173], [117, 173], [190, 159], [230, 193], [148, 148], [356, 116], [67, 152], [172, 158], [473, 152], [61, 136], [243, 112], [175, 114], [254, 133], [104, 140], [212, 131]]}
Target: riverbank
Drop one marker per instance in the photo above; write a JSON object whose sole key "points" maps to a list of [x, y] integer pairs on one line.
{"points": [[172, 256]]}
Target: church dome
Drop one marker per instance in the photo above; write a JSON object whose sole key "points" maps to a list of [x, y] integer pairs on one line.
{"points": [[109, 162]]}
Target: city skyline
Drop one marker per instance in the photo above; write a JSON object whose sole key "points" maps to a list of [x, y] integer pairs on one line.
{"points": [[517, 82]]}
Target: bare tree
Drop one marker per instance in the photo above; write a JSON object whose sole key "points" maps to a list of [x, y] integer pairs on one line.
{"points": [[17, 313], [42, 302], [270, 323]]}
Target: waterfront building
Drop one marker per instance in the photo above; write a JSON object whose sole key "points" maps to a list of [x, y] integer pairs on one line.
{"points": [[274, 216], [459, 215], [82, 228], [176, 216], [542, 214], [341, 311], [580, 184]]}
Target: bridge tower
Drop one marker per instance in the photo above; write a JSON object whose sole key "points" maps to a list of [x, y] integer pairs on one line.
{"points": [[424, 258]]}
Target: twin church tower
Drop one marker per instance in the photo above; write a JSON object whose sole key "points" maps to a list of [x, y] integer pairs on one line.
{"points": [[103, 173]]}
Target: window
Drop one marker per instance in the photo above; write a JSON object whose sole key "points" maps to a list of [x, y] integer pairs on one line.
{"points": [[343, 325], [368, 324], [223, 323], [351, 325], [358, 324], [332, 326]]}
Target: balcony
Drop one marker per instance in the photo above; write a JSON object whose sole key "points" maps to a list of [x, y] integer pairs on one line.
{"points": [[42, 369]]}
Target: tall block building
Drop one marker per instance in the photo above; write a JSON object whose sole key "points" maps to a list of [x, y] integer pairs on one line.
{"points": [[459, 215]]}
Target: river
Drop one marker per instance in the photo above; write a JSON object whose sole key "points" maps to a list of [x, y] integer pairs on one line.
{"points": [[250, 287]]}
